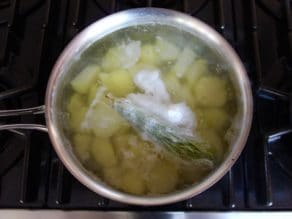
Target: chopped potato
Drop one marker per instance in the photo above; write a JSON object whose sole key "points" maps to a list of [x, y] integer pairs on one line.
{"points": [[119, 82], [128, 145], [187, 95], [214, 141], [114, 176], [123, 56], [136, 145], [193, 172], [76, 119], [120, 139], [133, 182], [76, 101], [102, 76], [103, 153], [216, 118], [121, 144], [82, 146], [149, 54], [104, 121], [185, 59], [163, 178], [173, 86], [166, 50], [131, 52], [211, 91], [92, 93], [88, 76], [141, 66], [197, 69], [177, 91], [77, 109], [111, 60]]}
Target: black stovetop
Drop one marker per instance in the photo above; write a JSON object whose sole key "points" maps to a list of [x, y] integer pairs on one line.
{"points": [[34, 32]]}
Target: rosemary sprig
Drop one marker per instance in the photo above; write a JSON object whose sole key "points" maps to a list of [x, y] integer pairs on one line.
{"points": [[172, 139]]}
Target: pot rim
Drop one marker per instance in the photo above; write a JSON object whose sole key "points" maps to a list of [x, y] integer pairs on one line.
{"points": [[110, 24]]}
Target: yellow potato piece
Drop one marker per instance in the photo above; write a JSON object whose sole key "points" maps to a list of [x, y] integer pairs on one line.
{"points": [[173, 86], [177, 90], [166, 50], [128, 146], [119, 82], [77, 109], [123, 56], [197, 69], [112, 59], [149, 54], [104, 121], [121, 144], [214, 141], [83, 81], [187, 96], [211, 91], [82, 144], [163, 178], [184, 60], [76, 101], [103, 76], [103, 153], [114, 176], [194, 172], [141, 66], [92, 93], [133, 183], [216, 118], [77, 118]]}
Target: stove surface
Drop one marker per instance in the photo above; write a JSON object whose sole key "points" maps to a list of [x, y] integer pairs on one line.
{"points": [[34, 32]]}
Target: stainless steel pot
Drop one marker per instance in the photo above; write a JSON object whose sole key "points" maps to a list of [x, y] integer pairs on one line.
{"points": [[60, 77]]}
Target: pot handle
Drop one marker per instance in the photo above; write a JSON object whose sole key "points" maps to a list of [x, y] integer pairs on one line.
{"points": [[25, 111]]}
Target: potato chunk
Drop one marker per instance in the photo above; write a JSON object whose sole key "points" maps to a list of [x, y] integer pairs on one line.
{"points": [[185, 59], [77, 109], [197, 69], [166, 50], [216, 118], [76, 101], [141, 66], [149, 55], [177, 90], [125, 145], [163, 178], [111, 60], [131, 52], [133, 182], [123, 56], [83, 81], [195, 171], [214, 141], [103, 121], [211, 91], [103, 152], [114, 176], [188, 97], [76, 119], [92, 93], [119, 82], [82, 146], [173, 86]]}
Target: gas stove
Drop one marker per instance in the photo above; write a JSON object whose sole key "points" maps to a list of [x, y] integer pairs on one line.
{"points": [[33, 34]]}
